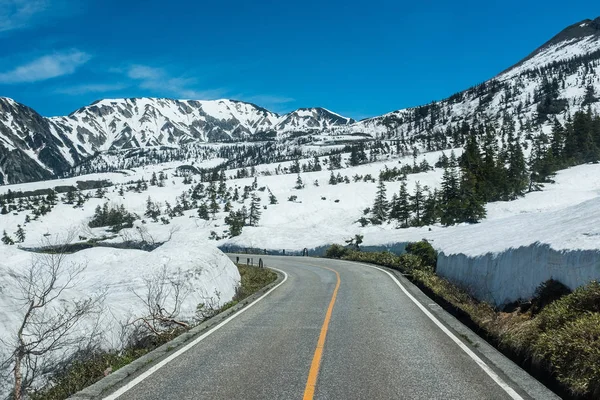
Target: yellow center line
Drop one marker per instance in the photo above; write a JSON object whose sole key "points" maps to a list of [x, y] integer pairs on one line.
{"points": [[313, 374]]}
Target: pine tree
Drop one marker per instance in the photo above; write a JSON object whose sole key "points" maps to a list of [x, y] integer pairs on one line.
{"points": [[332, 180], [357, 155], [394, 213], [153, 180], [7, 239], [20, 234], [214, 205], [430, 206], [518, 180], [254, 215], [272, 198], [380, 206], [316, 164], [235, 220], [404, 206], [203, 211], [70, 197], [417, 200], [299, 183], [152, 209], [472, 208], [449, 196]]}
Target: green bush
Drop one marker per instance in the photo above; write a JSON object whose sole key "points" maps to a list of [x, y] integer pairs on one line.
{"points": [[336, 251], [547, 293], [114, 216], [411, 262], [574, 353], [252, 280], [84, 371], [566, 309], [425, 251], [384, 258]]}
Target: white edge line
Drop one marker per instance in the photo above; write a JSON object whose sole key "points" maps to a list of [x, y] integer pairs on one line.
{"points": [[188, 346], [509, 390]]}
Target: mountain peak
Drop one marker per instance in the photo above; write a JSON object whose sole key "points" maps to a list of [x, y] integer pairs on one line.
{"points": [[575, 40], [580, 30]]}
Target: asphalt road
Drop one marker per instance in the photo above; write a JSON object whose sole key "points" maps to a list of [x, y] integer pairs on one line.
{"points": [[379, 345]]}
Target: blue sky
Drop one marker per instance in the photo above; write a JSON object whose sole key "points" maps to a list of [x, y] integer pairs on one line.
{"points": [[358, 58]]}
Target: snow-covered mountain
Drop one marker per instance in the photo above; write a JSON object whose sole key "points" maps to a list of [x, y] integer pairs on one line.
{"points": [[33, 147], [560, 77], [311, 119]]}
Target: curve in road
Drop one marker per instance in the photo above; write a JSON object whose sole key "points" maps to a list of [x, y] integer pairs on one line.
{"points": [[331, 330]]}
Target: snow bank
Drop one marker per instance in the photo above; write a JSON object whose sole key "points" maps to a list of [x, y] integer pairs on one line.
{"points": [[207, 272], [500, 278]]}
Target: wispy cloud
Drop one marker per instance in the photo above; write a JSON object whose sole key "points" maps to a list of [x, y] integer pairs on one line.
{"points": [[91, 88], [22, 14], [159, 80], [46, 67], [267, 99]]}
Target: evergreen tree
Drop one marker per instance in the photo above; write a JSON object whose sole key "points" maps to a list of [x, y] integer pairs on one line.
{"points": [[299, 183], [153, 179], [449, 196], [417, 203], [357, 154], [332, 180], [380, 206], [472, 208], [70, 197], [152, 209], [394, 213], [214, 205], [20, 234], [316, 164], [203, 211], [235, 220], [518, 180], [404, 206], [7, 239], [272, 198], [254, 215], [430, 213]]}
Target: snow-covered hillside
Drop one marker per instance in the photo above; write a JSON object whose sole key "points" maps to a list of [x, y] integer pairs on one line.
{"points": [[556, 80], [561, 217]]}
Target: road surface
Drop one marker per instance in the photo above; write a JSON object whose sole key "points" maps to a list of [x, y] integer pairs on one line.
{"points": [[332, 330]]}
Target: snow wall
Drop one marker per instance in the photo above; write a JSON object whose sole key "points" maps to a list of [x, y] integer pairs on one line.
{"points": [[500, 278]]}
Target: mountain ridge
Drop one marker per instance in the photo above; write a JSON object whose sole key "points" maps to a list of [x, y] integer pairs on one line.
{"points": [[552, 82]]}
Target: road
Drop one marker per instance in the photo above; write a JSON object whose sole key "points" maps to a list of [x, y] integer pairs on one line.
{"points": [[376, 343]]}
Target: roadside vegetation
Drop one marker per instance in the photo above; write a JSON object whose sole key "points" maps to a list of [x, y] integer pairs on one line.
{"points": [[557, 332], [87, 368]]}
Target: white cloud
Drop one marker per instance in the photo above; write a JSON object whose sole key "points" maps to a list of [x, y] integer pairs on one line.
{"points": [[267, 99], [46, 67], [20, 14], [159, 80], [91, 88]]}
